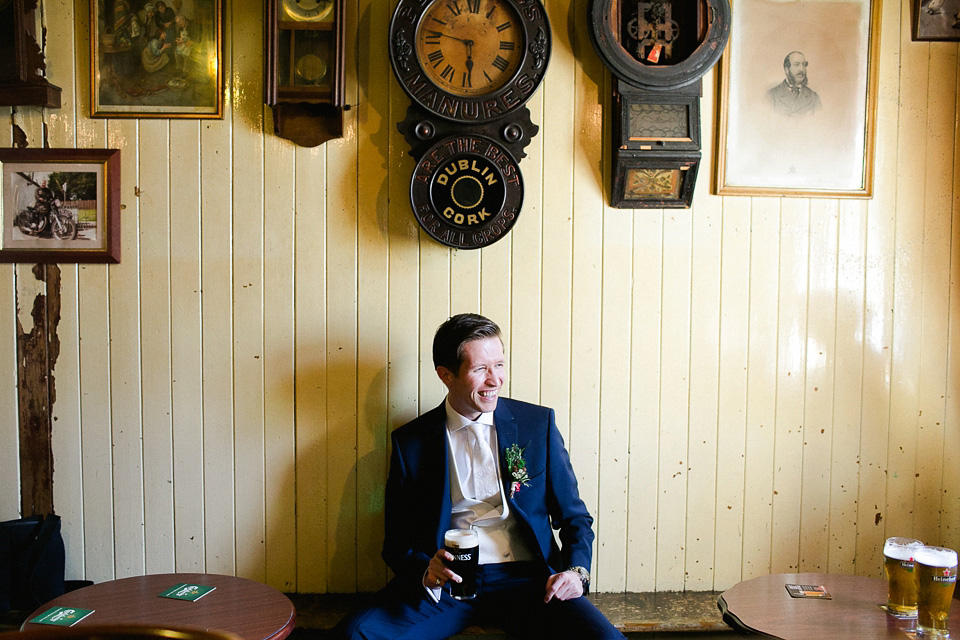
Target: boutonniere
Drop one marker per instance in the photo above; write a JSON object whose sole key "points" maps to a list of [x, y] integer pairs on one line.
{"points": [[517, 467]]}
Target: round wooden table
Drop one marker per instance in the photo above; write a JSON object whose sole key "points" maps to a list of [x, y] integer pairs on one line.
{"points": [[762, 605], [247, 608]]}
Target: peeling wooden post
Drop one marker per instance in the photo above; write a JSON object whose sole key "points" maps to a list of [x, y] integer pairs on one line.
{"points": [[38, 346]]}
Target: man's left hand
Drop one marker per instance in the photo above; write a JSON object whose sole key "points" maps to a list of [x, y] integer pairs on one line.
{"points": [[564, 586]]}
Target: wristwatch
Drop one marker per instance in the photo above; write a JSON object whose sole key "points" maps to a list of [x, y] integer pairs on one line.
{"points": [[583, 573]]}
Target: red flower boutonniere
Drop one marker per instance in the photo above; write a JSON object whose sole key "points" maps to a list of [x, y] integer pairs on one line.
{"points": [[518, 468]]}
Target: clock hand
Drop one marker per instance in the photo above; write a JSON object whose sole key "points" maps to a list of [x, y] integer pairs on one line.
{"points": [[469, 61]]}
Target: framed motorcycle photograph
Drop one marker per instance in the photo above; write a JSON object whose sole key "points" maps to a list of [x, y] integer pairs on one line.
{"points": [[60, 205]]}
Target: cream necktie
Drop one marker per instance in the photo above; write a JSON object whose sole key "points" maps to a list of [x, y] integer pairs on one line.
{"points": [[483, 479]]}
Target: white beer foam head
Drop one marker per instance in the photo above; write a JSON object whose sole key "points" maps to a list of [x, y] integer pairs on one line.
{"points": [[461, 538], [901, 548], [936, 556]]}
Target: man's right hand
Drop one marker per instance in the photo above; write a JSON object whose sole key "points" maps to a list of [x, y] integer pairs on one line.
{"points": [[438, 573]]}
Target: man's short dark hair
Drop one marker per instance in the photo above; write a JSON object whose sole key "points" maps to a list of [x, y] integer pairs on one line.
{"points": [[457, 331]]}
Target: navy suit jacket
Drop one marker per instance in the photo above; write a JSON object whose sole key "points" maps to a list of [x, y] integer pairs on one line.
{"points": [[418, 504]]}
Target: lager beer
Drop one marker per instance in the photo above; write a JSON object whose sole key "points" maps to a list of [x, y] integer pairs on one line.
{"points": [[464, 546], [898, 565], [936, 571]]}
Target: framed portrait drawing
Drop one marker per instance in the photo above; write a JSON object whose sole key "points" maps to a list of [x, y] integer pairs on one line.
{"points": [[156, 58], [798, 90], [60, 205], [936, 19]]}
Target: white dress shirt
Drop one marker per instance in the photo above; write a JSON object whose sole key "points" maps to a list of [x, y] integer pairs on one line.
{"points": [[489, 516]]}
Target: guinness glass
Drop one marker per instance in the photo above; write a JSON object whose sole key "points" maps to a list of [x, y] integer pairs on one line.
{"points": [[464, 546], [936, 571], [898, 566]]}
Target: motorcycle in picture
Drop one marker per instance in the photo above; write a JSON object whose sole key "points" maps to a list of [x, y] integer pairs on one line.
{"points": [[46, 217]]}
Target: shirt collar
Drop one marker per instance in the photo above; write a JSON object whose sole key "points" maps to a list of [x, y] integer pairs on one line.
{"points": [[455, 421]]}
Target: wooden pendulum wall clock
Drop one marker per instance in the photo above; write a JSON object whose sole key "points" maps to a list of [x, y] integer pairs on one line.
{"points": [[469, 67], [21, 58], [304, 69], [658, 51]]}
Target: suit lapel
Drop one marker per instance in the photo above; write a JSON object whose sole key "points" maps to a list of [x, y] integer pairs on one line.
{"points": [[507, 432], [437, 439]]}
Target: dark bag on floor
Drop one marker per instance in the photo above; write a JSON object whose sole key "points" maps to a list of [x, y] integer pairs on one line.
{"points": [[31, 562]]}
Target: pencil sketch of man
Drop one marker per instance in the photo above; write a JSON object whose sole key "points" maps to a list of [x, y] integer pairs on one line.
{"points": [[793, 97]]}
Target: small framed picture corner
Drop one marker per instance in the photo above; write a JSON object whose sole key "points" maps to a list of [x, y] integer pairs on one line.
{"points": [[936, 20], [60, 205]]}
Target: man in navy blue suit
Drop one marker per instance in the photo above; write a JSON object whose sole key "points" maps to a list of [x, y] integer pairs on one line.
{"points": [[449, 470]]}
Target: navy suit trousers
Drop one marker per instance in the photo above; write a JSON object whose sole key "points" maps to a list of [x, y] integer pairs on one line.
{"points": [[509, 597]]}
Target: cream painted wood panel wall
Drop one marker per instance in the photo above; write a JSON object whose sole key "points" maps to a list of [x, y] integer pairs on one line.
{"points": [[751, 385]]}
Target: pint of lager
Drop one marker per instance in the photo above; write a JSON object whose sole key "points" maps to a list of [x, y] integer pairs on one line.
{"points": [[936, 571], [898, 565], [464, 546]]}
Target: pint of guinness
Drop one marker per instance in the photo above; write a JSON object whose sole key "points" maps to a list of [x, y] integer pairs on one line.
{"points": [[464, 546]]}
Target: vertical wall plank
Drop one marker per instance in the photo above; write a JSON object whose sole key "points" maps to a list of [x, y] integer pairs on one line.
{"points": [[372, 287], [313, 508], [186, 345], [247, 262], [155, 345], [701, 468], [908, 296], [818, 428], [879, 259], [761, 388], [614, 472], [674, 401], [735, 287], [847, 392], [645, 349], [559, 132], [217, 326], [587, 264]]}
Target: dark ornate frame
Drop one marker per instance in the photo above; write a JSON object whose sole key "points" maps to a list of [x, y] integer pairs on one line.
{"points": [[604, 34]]}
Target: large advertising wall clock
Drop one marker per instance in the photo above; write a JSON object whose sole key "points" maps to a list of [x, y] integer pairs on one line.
{"points": [[469, 67]]}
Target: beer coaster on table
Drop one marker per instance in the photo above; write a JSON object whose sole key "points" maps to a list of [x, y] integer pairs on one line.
{"points": [[62, 616], [898, 614], [808, 591], [186, 591]]}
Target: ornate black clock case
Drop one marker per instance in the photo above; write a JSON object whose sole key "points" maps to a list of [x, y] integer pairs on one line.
{"points": [[469, 67], [658, 50]]}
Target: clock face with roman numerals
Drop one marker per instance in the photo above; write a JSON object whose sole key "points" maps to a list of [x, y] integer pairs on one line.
{"points": [[470, 61], [470, 47]]}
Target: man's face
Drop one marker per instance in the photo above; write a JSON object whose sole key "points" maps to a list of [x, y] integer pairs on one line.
{"points": [[476, 387], [797, 68]]}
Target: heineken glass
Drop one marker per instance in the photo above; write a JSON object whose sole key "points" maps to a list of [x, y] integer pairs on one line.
{"points": [[898, 566], [936, 571], [464, 546]]}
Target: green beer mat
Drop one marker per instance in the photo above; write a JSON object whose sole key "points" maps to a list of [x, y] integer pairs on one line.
{"points": [[186, 591], [62, 616]]}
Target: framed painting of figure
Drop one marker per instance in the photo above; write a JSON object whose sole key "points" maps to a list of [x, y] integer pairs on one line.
{"points": [[798, 90], [156, 58], [60, 205]]}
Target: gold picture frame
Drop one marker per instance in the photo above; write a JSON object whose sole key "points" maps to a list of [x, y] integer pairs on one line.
{"points": [[156, 59], [797, 93]]}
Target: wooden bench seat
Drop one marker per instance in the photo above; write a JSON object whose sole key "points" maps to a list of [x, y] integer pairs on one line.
{"points": [[665, 613]]}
